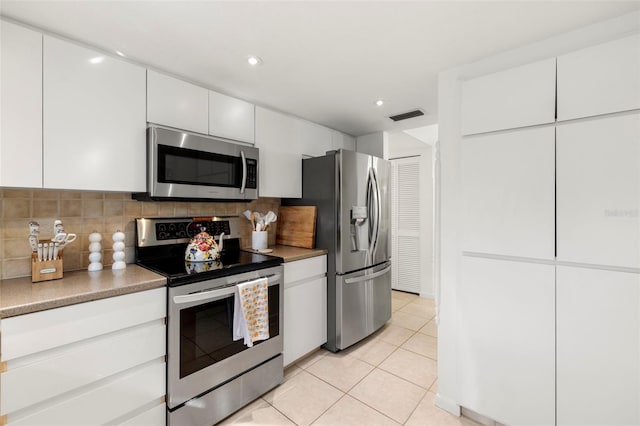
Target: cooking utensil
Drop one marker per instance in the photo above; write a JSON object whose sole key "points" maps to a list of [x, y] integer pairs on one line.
{"points": [[253, 221], [270, 217], [258, 227], [63, 239]]}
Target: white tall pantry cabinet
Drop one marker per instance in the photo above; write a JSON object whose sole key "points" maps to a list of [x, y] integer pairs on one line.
{"points": [[549, 298]]}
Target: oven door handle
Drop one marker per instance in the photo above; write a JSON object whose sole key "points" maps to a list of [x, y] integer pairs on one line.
{"points": [[217, 293], [205, 295]]}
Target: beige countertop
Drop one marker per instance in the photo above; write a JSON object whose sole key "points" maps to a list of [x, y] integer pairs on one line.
{"points": [[19, 296], [291, 254]]}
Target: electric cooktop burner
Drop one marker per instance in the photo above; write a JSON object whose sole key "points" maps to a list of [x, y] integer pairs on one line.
{"points": [[161, 243]]}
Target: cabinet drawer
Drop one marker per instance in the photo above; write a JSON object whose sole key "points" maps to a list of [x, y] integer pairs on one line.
{"points": [[105, 403], [27, 334], [156, 416], [305, 268], [80, 365]]}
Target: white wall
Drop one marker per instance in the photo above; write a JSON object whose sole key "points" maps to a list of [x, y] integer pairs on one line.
{"points": [[401, 144], [450, 202], [373, 144]]}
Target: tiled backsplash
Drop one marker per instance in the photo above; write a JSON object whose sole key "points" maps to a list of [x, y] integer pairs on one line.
{"points": [[83, 212]]}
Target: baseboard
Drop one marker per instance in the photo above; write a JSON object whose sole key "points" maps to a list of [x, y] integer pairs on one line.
{"points": [[447, 404]]}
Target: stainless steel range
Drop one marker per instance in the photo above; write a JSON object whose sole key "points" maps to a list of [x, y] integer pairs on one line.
{"points": [[209, 375]]}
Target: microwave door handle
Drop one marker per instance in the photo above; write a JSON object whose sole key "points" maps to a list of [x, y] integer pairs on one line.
{"points": [[244, 172]]}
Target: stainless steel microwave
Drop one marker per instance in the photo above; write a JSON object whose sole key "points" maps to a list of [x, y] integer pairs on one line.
{"points": [[185, 166]]}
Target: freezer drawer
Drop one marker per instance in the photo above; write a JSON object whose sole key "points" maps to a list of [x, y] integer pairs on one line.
{"points": [[363, 303]]}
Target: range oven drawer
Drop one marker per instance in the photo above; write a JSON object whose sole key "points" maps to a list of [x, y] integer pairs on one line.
{"points": [[217, 404]]}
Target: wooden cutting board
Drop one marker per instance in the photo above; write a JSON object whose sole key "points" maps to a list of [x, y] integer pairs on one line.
{"points": [[297, 226]]}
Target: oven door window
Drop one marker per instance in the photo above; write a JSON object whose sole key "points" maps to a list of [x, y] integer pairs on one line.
{"points": [[190, 167], [206, 332]]}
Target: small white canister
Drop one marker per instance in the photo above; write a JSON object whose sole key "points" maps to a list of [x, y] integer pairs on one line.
{"points": [[259, 240]]}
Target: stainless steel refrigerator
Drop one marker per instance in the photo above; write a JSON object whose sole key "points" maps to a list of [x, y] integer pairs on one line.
{"points": [[351, 191]]}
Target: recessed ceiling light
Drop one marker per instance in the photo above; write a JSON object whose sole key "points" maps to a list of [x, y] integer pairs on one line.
{"points": [[379, 102], [254, 60], [96, 60], [119, 53]]}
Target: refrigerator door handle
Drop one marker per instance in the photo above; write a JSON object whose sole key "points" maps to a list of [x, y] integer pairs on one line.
{"points": [[367, 277], [375, 230]]}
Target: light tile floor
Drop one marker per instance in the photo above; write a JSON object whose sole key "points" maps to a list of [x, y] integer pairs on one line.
{"points": [[390, 378]]}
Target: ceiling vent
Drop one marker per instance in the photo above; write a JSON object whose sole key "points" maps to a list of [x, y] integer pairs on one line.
{"points": [[406, 115]]}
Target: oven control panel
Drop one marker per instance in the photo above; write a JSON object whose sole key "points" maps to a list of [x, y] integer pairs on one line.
{"points": [[162, 231]]}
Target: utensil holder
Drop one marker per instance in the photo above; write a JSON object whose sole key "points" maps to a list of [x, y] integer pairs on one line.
{"points": [[45, 270], [259, 240]]}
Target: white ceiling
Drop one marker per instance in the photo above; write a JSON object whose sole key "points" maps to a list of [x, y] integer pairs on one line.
{"points": [[326, 61]]}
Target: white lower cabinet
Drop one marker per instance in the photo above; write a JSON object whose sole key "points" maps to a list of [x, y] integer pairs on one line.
{"points": [[92, 363], [598, 316], [506, 340], [305, 307]]}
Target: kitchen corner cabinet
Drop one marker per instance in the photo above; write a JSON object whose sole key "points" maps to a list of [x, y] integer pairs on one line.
{"points": [[517, 97], [94, 120], [92, 363], [314, 139], [280, 168], [231, 118], [340, 140], [176, 103], [508, 182], [598, 187], [21, 109], [598, 326], [506, 340], [305, 307], [600, 79]]}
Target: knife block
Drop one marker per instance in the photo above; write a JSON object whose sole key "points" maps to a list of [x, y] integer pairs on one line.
{"points": [[45, 270]]}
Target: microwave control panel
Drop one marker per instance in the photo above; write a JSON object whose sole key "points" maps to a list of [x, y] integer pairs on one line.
{"points": [[252, 173]]}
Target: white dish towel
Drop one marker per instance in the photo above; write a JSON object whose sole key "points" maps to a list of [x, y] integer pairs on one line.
{"points": [[251, 311]]}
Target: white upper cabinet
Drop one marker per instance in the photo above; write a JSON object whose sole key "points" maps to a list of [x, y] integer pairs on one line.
{"points": [[598, 188], [21, 109], [176, 103], [601, 79], [94, 120], [517, 97], [508, 181], [280, 168], [506, 340], [231, 118], [315, 140], [598, 335], [340, 140]]}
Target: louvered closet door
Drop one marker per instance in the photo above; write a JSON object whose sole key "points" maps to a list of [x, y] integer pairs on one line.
{"points": [[405, 229]]}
